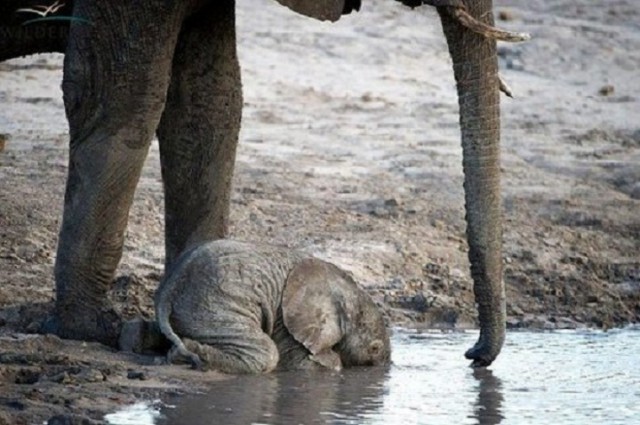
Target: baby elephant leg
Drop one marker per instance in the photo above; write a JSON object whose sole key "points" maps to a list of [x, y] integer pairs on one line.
{"points": [[183, 353], [294, 356], [248, 353]]}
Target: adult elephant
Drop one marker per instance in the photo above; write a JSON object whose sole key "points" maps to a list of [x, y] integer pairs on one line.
{"points": [[133, 68]]}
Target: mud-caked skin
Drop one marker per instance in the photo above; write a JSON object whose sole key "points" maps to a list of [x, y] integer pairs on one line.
{"points": [[238, 308]]}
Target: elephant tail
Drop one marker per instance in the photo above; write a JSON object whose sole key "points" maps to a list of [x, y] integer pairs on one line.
{"points": [[163, 312]]}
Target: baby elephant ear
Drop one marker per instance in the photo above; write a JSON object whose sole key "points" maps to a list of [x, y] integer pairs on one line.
{"points": [[314, 305], [324, 10]]}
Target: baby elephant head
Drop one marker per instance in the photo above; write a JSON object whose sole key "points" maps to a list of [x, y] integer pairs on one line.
{"points": [[325, 310]]}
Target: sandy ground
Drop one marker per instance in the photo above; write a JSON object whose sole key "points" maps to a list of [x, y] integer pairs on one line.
{"points": [[350, 150]]}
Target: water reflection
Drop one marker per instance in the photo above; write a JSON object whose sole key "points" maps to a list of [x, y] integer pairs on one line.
{"points": [[562, 378], [283, 398], [488, 408]]}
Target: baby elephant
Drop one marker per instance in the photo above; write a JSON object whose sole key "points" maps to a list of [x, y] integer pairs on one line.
{"points": [[244, 308]]}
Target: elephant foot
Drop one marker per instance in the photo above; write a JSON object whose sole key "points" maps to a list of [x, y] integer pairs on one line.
{"points": [[187, 354], [483, 353], [142, 337], [84, 324]]}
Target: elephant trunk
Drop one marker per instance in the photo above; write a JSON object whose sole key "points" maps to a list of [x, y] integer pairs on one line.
{"points": [[475, 67]]}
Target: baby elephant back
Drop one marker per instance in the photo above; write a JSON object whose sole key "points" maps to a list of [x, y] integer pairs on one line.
{"points": [[225, 283]]}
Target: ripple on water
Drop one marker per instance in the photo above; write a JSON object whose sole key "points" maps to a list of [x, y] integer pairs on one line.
{"points": [[560, 377]]}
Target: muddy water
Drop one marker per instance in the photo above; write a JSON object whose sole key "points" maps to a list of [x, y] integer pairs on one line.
{"points": [[572, 377]]}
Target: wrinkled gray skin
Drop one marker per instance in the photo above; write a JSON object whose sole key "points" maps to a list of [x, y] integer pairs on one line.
{"points": [[170, 67], [244, 308]]}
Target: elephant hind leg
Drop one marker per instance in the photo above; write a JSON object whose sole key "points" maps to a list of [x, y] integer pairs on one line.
{"points": [[198, 132], [250, 352], [180, 352], [116, 74]]}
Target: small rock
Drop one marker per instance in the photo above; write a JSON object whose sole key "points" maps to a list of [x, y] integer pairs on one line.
{"points": [[92, 375], [538, 322], [383, 208], [606, 90], [367, 97], [391, 203], [136, 374], [515, 310], [248, 190], [576, 259], [395, 283], [514, 64], [27, 376], [33, 327], [513, 323], [565, 323], [450, 316], [380, 212], [420, 303], [506, 15], [61, 378], [634, 191], [438, 274]]}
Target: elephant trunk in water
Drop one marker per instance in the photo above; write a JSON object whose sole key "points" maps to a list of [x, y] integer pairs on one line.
{"points": [[475, 67]]}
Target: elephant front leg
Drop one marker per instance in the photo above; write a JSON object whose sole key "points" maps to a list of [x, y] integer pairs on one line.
{"points": [[116, 73], [199, 129]]}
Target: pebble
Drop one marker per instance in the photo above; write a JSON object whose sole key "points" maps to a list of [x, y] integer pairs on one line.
{"points": [[634, 192], [420, 303], [61, 378], [33, 327], [513, 323], [93, 375], [607, 90], [136, 374], [506, 15], [27, 376], [514, 64]]}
